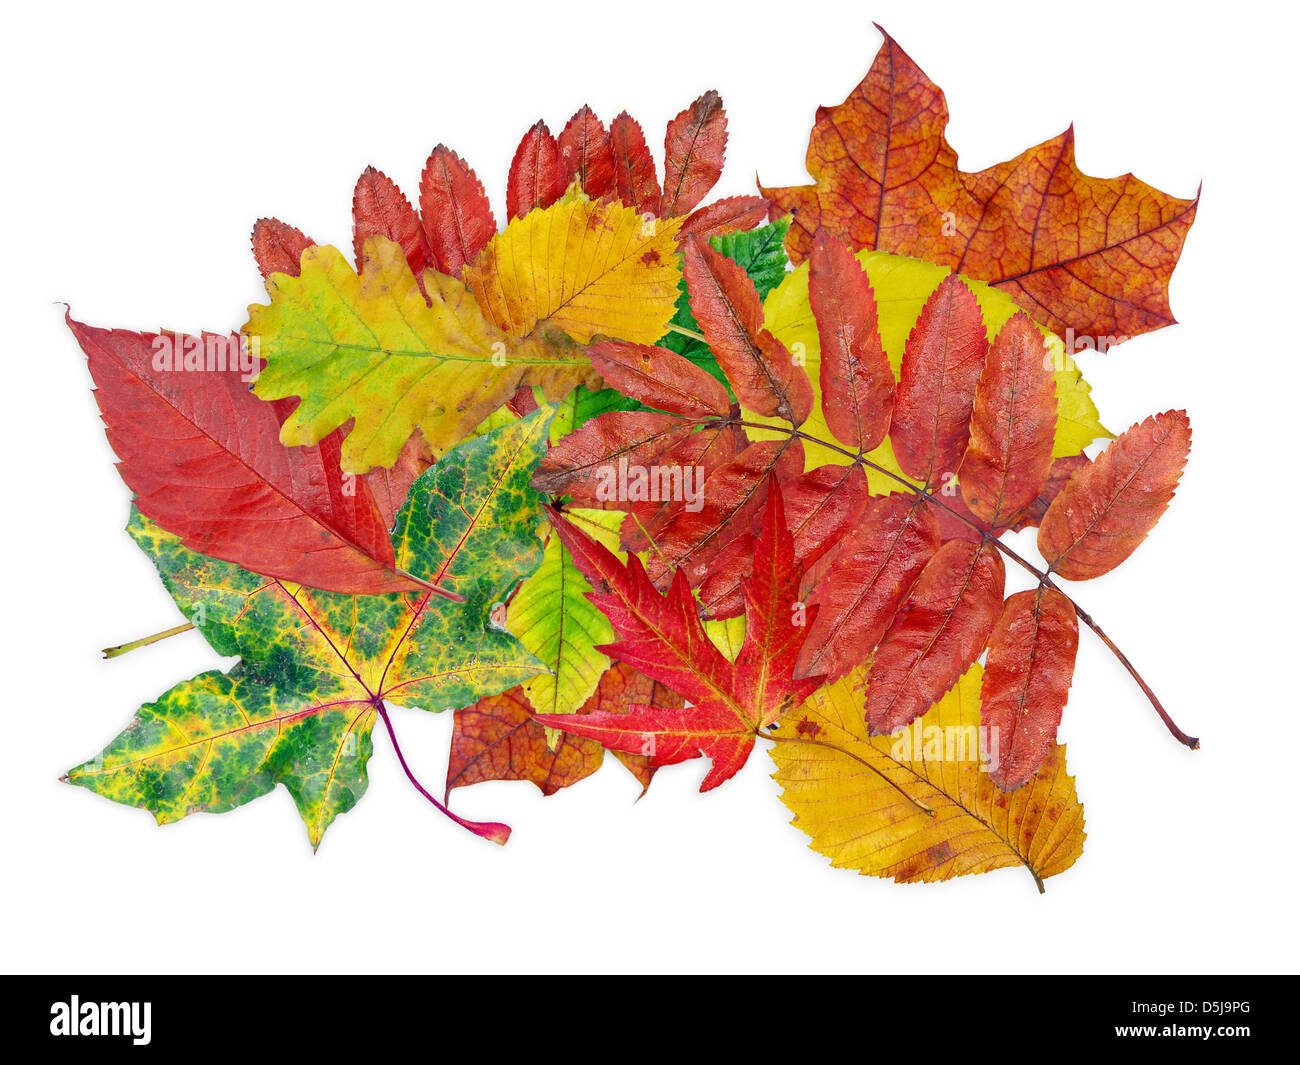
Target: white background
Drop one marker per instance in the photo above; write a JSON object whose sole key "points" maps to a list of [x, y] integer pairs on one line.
{"points": [[142, 142]]}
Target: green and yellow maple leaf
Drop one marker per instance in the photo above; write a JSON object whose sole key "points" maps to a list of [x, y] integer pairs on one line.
{"points": [[316, 667], [370, 347]]}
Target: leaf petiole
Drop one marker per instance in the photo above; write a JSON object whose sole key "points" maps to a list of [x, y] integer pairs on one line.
{"points": [[145, 641]]}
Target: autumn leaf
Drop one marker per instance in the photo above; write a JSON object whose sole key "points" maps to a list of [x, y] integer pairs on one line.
{"points": [[552, 617], [662, 636], [587, 267], [454, 211], [731, 214], [587, 155], [203, 457], [1089, 254], [498, 739], [369, 347], [660, 379], [379, 209], [919, 806], [1013, 421], [902, 288], [278, 247], [536, 179], [1027, 680], [939, 631], [1107, 507], [695, 147], [635, 180], [316, 667], [764, 375]]}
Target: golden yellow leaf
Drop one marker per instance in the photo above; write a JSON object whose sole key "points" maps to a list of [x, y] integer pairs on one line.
{"points": [[589, 267], [862, 804]]}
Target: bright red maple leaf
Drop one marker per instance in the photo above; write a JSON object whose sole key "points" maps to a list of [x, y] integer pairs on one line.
{"points": [[663, 637]]}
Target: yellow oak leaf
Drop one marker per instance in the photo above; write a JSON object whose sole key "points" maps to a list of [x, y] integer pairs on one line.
{"points": [[370, 347]]}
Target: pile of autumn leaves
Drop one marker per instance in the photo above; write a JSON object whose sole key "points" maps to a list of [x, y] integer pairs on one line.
{"points": [[413, 504]]}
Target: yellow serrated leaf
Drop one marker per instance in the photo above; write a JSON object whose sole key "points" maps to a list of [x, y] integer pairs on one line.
{"points": [[589, 267]]}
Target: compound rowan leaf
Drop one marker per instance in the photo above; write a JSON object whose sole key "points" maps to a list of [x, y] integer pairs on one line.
{"points": [[858, 797], [379, 209], [939, 631], [1012, 425], [936, 388], [278, 246], [454, 211], [634, 167], [727, 307], [663, 637], [1089, 254], [1107, 507], [369, 347], [587, 155], [203, 457], [1027, 680], [902, 288], [581, 464], [866, 582], [315, 667], [857, 383], [498, 739], [590, 268], [659, 378], [695, 147]]}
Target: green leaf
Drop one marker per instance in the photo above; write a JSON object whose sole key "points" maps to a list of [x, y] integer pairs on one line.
{"points": [[315, 667], [552, 616]]}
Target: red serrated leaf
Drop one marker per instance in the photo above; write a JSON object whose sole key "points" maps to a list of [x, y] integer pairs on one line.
{"points": [[936, 389], [727, 215], [940, 630], [380, 209], [857, 382], [662, 636], [1013, 423], [695, 146], [454, 211], [1027, 679], [875, 567], [732, 499], [587, 155], [580, 464], [821, 505], [1061, 471], [204, 458], [730, 314], [660, 378], [1107, 508], [536, 178], [278, 247], [634, 167]]}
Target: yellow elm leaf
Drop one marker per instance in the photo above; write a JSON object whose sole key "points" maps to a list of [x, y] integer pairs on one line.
{"points": [[857, 806], [369, 347], [591, 268], [901, 286]]}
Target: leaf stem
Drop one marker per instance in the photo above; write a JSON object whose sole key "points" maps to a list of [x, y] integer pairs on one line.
{"points": [[687, 332], [145, 641], [496, 832], [1043, 577]]}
